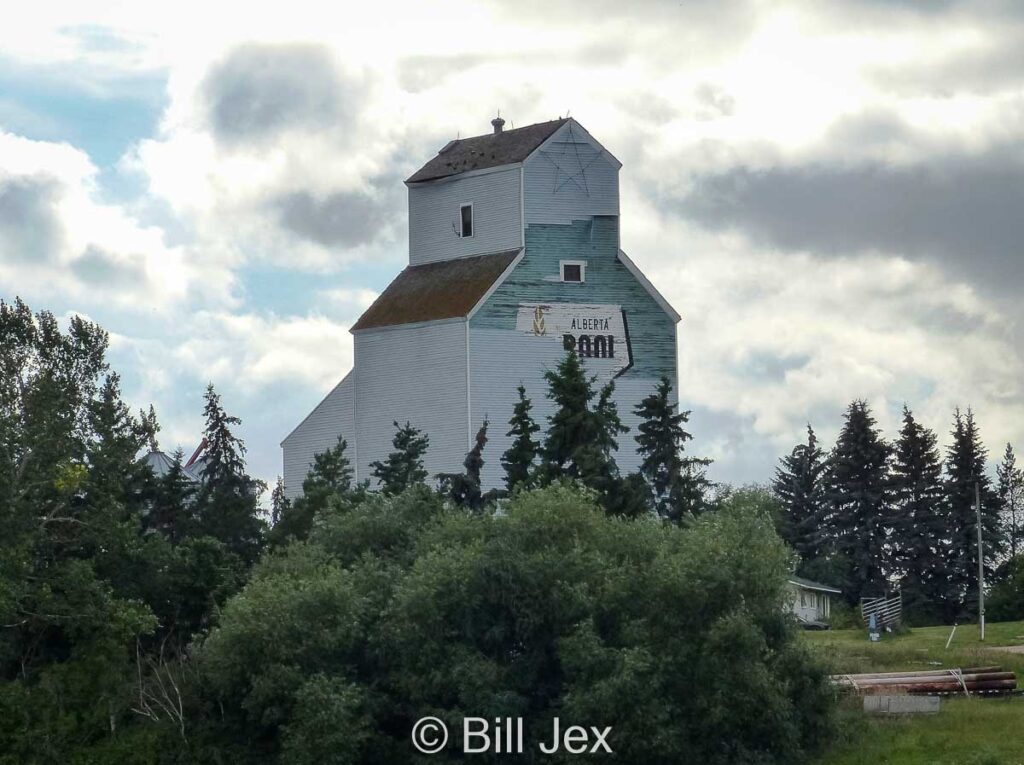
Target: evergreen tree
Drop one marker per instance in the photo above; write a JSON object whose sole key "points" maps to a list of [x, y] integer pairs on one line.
{"points": [[572, 427], [151, 427], [629, 497], [330, 474], [965, 468], [329, 479], [172, 503], [279, 502], [800, 486], [223, 452], [404, 466], [1011, 498], [582, 435], [919, 551], [596, 460], [519, 460], [464, 488], [859, 501], [677, 482], [227, 504]]}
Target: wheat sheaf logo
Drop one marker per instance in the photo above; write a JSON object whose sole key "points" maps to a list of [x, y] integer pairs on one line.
{"points": [[538, 322]]}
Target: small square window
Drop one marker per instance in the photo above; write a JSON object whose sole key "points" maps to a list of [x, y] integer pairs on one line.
{"points": [[573, 271], [466, 219]]}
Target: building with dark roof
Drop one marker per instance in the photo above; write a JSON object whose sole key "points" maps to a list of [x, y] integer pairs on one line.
{"points": [[514, 255]]}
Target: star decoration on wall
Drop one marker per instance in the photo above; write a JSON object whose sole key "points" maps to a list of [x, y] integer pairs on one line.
{"points": [[571, 159]]}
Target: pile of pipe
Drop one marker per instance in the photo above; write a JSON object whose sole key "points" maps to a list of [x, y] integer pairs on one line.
{"points": [[932, 682]]}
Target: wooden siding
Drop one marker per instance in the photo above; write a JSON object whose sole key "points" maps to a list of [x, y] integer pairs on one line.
{"points": [[553, 194], [318, 432], [495, 374], [501, 357], [415, 373], [536, 278], [809, 605], [434, 208]]}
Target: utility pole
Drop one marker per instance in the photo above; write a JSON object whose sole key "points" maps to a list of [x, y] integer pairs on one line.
{"points": [[981, 564]]}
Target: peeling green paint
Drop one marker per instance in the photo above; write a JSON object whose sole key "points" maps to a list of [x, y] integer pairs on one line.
{"points": [[595, 240]]}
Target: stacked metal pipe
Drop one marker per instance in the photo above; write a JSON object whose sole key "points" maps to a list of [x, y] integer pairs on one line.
{"points": [[946, 682]]}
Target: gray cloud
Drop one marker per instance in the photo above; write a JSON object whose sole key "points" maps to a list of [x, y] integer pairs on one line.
{"points": [[421, 72], [996, 63], [966, 211], [30, 229], [769, 366], [260, 90], [713, 102], [342, 218], [97, 266]]}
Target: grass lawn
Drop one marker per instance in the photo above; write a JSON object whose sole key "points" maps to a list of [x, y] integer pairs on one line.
{"points": [[966, 731]]}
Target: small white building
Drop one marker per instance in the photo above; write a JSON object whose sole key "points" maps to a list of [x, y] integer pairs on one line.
{"points": [[811, 601]]}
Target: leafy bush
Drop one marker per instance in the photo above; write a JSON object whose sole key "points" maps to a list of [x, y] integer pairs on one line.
{"points": [[843, 616], [399, 608]]}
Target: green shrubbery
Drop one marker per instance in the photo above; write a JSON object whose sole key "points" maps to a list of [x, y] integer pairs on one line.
{"points": [[156, 619], [402, 607]]}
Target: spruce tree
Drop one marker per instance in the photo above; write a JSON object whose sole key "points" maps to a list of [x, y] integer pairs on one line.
{"points": [[1011, 498], [572, 427], [404, 466], [464, 488], [223, 455], [596, 460], [965, 467], [519, 459], [800, 486], [676, 482], [228, 506], [329, 478], [860, 502], [919, 550], [582, 434]]}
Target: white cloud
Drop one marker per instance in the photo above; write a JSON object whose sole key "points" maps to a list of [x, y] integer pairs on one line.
{"points": [[769, 338], [251, 352], [56, 236], [779, 339]]}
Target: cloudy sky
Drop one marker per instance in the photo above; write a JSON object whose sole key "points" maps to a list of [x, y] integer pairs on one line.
{"points": [[830, 193]]}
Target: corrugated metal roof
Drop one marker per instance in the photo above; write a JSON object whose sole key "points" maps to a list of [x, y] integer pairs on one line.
{"points": [[811, 585], [161, 464], [444, 290], [483, 151]]}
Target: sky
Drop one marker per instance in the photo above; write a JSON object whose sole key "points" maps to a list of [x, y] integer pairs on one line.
{"points": [[830, 193]]}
